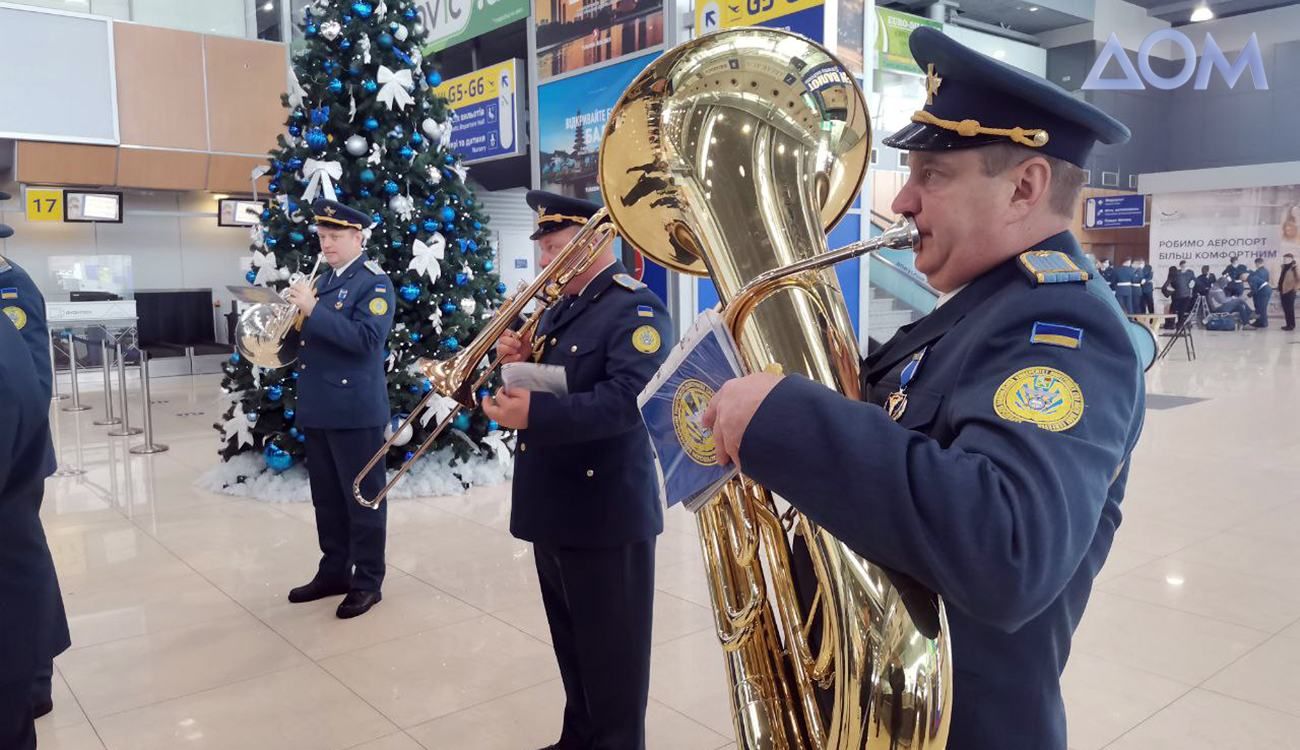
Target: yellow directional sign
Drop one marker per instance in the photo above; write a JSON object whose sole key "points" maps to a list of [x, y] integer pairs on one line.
{"points": [[44, 204]]}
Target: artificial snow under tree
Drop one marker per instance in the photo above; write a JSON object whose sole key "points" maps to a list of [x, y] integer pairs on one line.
{"points": [[365, 128]]}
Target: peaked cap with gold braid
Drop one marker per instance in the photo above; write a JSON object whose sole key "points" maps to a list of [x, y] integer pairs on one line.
{"points": [[556, 211], [339, 215], [973, 100]]}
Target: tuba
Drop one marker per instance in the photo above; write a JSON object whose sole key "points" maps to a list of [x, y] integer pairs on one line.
{"points": [[730, 156]]}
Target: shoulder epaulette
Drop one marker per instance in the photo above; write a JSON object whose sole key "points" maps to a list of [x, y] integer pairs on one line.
{"points": [[374, 267], [1050, 267], [4, 265], [627, 282]]}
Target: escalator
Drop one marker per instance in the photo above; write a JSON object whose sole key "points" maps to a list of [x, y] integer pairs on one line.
{"points": [[898, 293]]}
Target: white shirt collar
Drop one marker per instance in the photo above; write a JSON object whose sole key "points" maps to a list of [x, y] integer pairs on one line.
{"points": [[338, 272], [943, 298]]}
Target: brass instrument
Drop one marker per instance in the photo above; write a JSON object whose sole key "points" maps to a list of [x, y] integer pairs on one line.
{"points": [[460, 377], [731, 155], [267, 333]]}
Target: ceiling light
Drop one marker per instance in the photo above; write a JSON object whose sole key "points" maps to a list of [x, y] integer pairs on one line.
{"points": [[1033, 9], [268, 7], [1202, 13], [1000, 54]]}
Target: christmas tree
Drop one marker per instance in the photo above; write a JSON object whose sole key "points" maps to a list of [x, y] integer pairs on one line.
{"points": [[365, 128]]}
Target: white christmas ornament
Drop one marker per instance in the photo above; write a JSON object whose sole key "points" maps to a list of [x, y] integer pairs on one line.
{"points": [[266, 268], [237, 427], [376, 154], [284, 274], [395, 87], [331, 29], [469, 272], [364, 45], [461, 171], [435, 175], [403, 206], [401, 33], [425, 258], [381, 10], [444, 138], [468, 306], [296, 92], [403, 437], [356, 145], [416, 56], [320, 177], [431, 128]]}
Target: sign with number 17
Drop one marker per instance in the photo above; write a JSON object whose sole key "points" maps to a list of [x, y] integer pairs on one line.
{"points": [[44, 204]]}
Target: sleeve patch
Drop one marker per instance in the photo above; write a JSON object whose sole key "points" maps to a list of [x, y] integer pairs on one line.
{"points": [[646, 340], [1042, 396], [1054, 334], [645, 311], [19, 316], [378, 306]]}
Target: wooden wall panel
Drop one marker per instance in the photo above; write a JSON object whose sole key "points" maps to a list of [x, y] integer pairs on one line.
{"points": [[162, 170], [66, 164], [230, 174], [160, 87], [245, 81]]}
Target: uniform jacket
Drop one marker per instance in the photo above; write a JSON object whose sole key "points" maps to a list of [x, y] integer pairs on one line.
{"points": [[23, 304], [341, 378], [33, 626], [1234, 272], [1258, 279], [1145, 278], [999, 488], [584, 470], [1126, 283]]}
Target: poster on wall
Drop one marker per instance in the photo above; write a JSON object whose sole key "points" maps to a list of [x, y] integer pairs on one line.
{"points": [[575, 34], [571, 117], [487, 121], [1208, 228], [451, 22], [849, 40], [893, 30], [801, 16]]}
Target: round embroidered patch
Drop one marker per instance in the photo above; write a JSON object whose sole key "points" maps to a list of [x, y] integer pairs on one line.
{"points": [[646, 340], [1042, 396], [689, 402], [19, 316], [378, 306]]}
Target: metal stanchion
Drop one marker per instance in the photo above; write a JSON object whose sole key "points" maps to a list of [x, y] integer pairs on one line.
{"points": [[149, 445], [76, 404], [126, 428], [107, 361], [54, 373], [62, 469]]}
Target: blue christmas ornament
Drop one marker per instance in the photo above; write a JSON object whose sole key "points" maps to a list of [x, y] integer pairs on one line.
{"points": [[409, 455], [365, 192], [293, 432], [430, 201], [473, 246], [347, 18], [371, 123], [273, 186], [377, 217], [288, 414], [501, 288], [462, 422], [275, 393], [449, 159], [409, 14], [295, 131], [448, 213], [469, 203], [277, 458], [346, 44], [464, 245], [370, 86], [430, 225], [483, 393], [415, 335], [452, 343], [316, 140], [266, 214], [412, 228], [385, 40], [294, 165], [251, 276], [434, 78], [320, 115], [461, 279], [395, 244], [296, 237], [449, 307], [414, 388], [406, 153], [409, 292], [335, 86], [252, 417], [478, 225], [391, 187], [488, 265], [426, 386], [493, 426], [271, 242], [367, 176], [302, 437], [417, 139], [277, 166], [362, 10], [294, 374], [356, 68], [311, 29]]}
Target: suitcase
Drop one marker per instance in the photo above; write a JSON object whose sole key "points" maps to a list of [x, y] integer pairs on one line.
{"points": [[1220, 322]]}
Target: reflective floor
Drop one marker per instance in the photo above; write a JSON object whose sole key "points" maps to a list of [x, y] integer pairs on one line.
{"points": [[182, 636]]}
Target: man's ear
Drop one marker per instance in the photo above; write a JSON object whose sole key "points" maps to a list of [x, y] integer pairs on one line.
{"points": [[1032, 181]]}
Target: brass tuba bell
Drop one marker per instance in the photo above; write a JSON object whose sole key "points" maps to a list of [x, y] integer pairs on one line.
{"points": [[732, 155]]}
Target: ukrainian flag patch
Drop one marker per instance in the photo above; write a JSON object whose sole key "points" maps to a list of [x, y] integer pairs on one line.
{"points": [[1054, 334], [9, 293], [645, 311]]}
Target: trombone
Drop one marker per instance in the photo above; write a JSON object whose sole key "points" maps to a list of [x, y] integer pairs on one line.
{"points": [[460, 378]]}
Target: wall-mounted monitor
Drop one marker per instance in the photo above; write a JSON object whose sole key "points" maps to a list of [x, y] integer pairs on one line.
{"points": [[239, 212], [87, 206]]}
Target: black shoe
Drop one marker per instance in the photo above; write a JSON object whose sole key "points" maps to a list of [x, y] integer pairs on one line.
{"points": [[42, 706], [357, 603], [319, 588]]}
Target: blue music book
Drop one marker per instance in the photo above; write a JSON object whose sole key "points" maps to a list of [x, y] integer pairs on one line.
{"points": [[673, 404]]}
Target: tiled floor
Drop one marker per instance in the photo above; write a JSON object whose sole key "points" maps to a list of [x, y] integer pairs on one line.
{"points": [[182, 636]]}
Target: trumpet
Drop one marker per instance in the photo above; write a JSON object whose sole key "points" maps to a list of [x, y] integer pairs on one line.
{"points": [[267, 334], [460, 377]]}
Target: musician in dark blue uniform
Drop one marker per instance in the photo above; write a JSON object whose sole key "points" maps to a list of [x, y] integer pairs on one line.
{"points": [[24, 305], [1260, 292], [343, 407], [1234, 269], [33, 627], [1146, 287], [585, 487], [1126, 287], [995, 476]]}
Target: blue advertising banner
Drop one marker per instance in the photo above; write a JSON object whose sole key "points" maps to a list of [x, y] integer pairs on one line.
{"points": [[486, 119], [808, 22], [1115, 212]]}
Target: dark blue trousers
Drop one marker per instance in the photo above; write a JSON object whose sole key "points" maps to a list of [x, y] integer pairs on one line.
{"points": [[351, 536], [17, 724], [1261, 306], [599, 603]]}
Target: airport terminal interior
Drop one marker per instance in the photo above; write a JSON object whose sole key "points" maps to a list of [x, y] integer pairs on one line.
{"points": [[261, 257]]}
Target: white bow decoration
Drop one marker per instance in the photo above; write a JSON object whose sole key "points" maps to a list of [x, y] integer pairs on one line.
{"points": [[461, 170], [497, 441], [435, 318], [320, 175], [237, 427], [395, 85], [425, 258], [296, 92], [435, 176], [440, 410], [266, 268], [403, 206]]}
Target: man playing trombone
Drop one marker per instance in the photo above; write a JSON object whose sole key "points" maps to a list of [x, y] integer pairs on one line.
{"points": [[585, 487], [343, 407]]}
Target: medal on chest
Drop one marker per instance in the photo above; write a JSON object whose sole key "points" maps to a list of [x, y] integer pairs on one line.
{"points": [[896, 403]]}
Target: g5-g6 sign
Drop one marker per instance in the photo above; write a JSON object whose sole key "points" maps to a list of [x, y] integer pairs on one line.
{"points": [[1211, 59]]}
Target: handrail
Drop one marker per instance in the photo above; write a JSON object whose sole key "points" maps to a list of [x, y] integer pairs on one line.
{"points": [[900, 282]]}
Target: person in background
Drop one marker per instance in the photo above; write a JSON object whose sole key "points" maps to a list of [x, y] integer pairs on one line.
{"points": [[1220, 302], [1261, 291], [1203, 282], [1234, 269], [1288, 283], [1146, 289], [1236, 284], [1126, 287], [1107, 272]]}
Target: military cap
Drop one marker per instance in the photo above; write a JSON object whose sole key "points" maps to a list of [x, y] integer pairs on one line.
{"points": [[973, 100], [333, 212], [555, 212]]}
